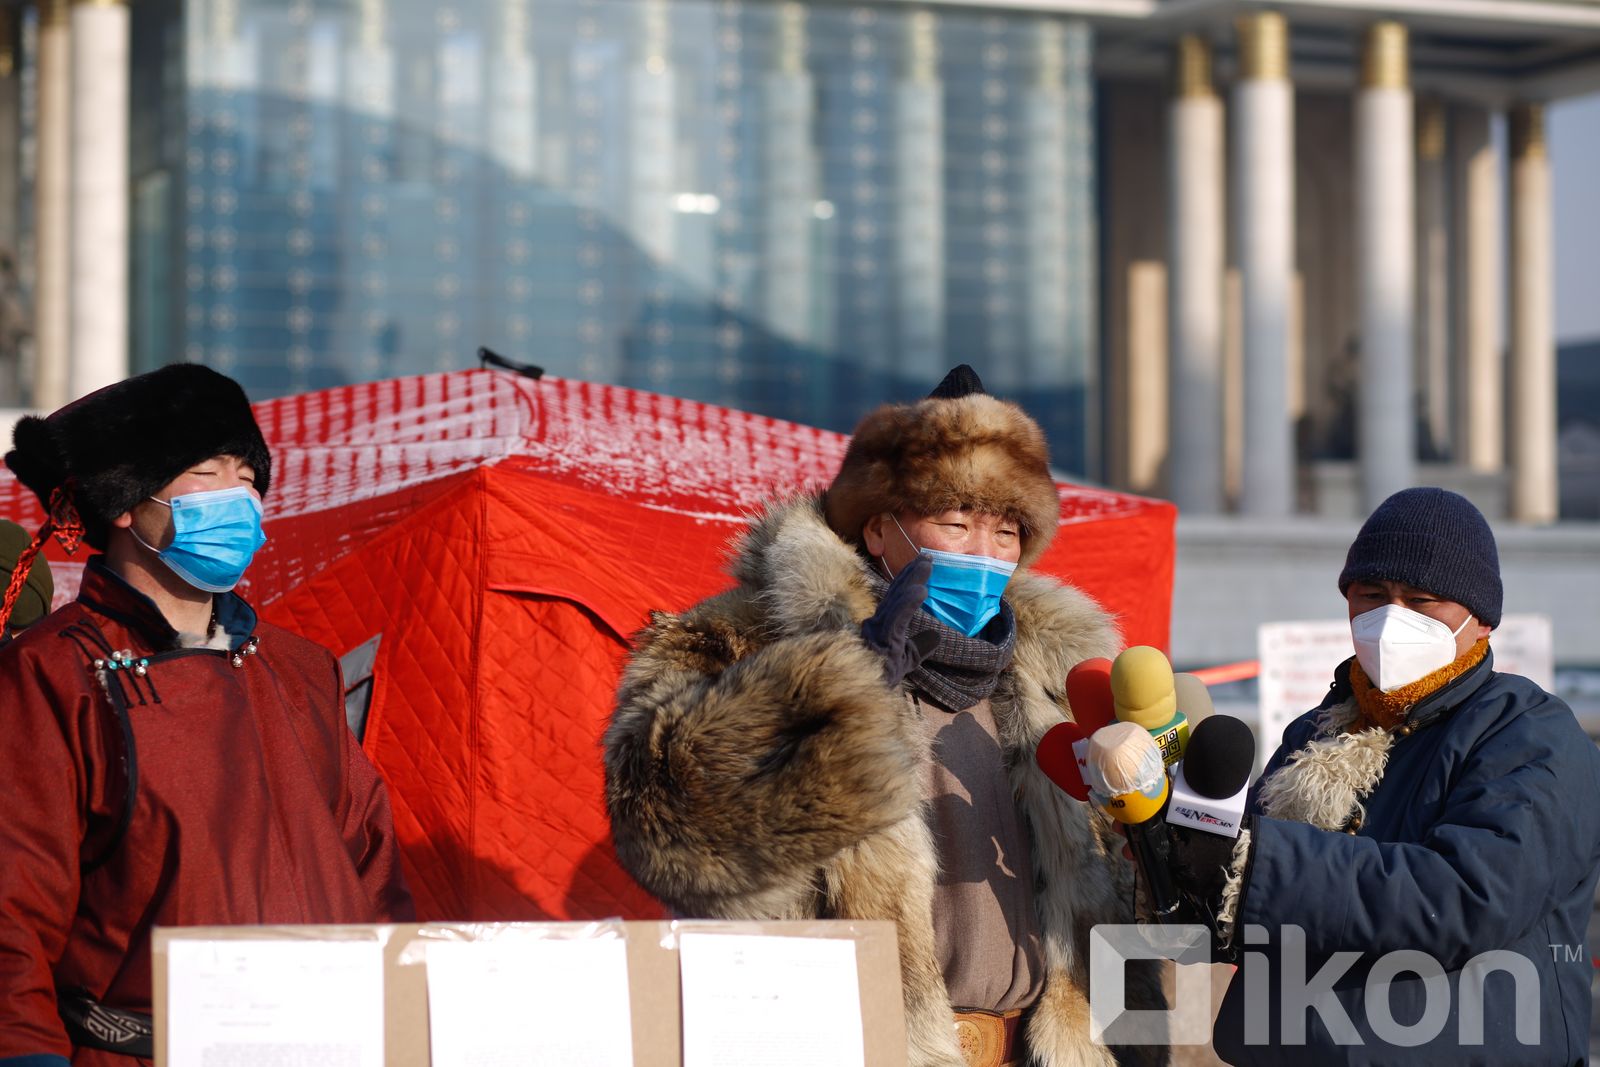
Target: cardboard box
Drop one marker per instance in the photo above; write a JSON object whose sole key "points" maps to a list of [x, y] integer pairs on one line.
{"points": [[654, 989]]}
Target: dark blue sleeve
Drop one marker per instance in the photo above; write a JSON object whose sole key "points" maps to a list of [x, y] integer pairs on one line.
{"points": [[1515, 827], [34, 1059]]}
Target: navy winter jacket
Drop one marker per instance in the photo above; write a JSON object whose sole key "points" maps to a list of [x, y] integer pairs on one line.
{"points": [[1483, 835]]}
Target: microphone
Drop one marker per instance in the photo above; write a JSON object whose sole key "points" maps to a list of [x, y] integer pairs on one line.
{"points": [[1194, 699], [1058, 757], [1089, 694], [1143, 693], [1206, 813], [1210, 785], [1089, 698], [1128, 780]]}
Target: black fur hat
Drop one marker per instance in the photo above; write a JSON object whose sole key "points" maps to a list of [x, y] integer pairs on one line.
{"points": [[123, 443]]}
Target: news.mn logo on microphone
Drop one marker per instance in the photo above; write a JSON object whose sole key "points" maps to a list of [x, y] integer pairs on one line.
{"points": [[1196, 817]]}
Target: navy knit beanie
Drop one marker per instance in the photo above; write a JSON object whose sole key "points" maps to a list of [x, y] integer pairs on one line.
{"points": [[1435, 540]]}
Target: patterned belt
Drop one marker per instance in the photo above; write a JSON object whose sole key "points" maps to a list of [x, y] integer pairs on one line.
{"points": [[90, 1024], [990, 1039]]}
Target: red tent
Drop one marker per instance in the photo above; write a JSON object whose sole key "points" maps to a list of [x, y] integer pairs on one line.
{"points": [[504, 537]]}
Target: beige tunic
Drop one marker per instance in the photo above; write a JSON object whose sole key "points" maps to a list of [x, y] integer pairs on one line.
{"points": [[985, 927]]}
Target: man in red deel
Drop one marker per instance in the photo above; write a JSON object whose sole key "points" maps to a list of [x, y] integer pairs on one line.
{"points": [[165, 758]]}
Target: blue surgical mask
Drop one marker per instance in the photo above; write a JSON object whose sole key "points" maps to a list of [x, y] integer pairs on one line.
{"points": [[963, 591], [215, 535]]}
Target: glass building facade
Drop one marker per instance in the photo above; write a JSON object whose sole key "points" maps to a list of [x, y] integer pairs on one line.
{"points": [[798, 209]]}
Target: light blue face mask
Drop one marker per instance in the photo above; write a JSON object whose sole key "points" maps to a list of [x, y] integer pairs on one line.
{"points": [[963, 591], [215, 535]]}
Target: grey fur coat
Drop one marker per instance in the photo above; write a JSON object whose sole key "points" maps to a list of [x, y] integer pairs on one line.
{"points": [[757, 766]]}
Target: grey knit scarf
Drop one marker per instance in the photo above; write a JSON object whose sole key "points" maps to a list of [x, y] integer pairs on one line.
{"points": [[961, 671]]}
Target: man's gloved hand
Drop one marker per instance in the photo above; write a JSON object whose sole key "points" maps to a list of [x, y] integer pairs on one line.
{"points": [[1200, 862], [888, 631]]}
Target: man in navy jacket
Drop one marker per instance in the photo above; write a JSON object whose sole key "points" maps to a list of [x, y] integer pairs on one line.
{"points": [[1420, 860]]}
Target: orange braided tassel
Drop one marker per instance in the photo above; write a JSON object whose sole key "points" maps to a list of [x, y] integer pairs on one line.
{"points": [[66, 526]]}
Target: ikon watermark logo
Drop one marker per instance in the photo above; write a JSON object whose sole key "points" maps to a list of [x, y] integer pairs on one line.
{"points": [[1188, 1022], [1112, 1022]]}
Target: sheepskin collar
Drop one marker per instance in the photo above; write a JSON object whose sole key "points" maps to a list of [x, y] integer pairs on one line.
{"points": [[1326, 783]]}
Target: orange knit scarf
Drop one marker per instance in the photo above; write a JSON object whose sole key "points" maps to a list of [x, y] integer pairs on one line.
{"points": [[1388, 710]]}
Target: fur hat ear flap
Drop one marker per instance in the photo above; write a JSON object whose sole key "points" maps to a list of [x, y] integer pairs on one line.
{"points": [[127, 441], [971, 451]]}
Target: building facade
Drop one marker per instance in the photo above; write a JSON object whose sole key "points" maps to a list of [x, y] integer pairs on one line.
{"points": [[1252, 259]]}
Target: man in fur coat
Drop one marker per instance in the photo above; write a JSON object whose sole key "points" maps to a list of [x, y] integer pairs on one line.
{"points": [[1421, 860], [165, 758], [849, 733]]}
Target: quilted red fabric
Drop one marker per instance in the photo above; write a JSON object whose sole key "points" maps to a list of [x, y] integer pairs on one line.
{"points": [[505, 537]]}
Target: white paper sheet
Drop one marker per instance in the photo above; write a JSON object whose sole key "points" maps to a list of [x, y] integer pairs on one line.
{"points": [[770, 1001], [520, 1000], [274, 1004]]}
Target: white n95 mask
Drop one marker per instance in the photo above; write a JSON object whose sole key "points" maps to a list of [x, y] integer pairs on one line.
{"points": [[1396, 645]]}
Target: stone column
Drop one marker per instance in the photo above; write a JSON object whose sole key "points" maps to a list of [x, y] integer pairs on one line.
{"points": [[10, 126], [99, 195], [1480, 362], [1531, 380], [653, 168], [1433, 278], [1385, 265], [12, 315], [1195, 266], [513, 96], [52, 189], [789, 110], [919, 263], [1046, 240], [653, 138], [366, 339], [1262, 167]]}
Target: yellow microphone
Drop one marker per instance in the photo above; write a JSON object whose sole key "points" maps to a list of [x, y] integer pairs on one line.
{"points": [[1143, 693], [1129, 783], [1127, 778]]}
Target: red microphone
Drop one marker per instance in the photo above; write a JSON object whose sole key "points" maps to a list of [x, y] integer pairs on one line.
{"points": [[1064, 748], [1058, 758], [1089, 695]]}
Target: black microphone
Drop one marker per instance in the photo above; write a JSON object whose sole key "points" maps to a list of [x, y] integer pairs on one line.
{"points": [[1210, 785], [1206, 810]]}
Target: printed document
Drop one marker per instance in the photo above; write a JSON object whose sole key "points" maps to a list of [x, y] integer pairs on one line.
{"points": [[274, 1004], [753, 1001], [521, 1000]]}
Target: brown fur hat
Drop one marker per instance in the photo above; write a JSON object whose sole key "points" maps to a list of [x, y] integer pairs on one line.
{"points": [[958, 448]]}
